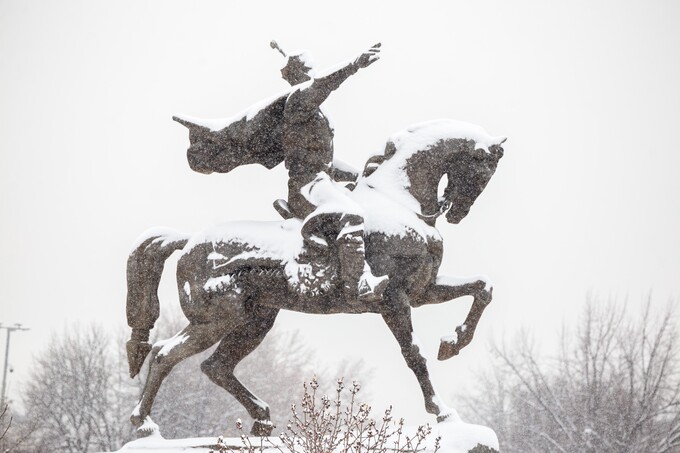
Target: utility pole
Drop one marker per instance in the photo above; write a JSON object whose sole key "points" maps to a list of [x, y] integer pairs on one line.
{"points": [[10, 329]]}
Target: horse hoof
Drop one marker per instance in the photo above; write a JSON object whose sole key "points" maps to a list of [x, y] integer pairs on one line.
{"points": [[443, 417], [136, 419], [447, 349], [262, 428], [147, 428], [136, 354]]}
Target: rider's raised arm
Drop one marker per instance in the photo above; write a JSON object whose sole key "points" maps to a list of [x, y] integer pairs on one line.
{"points": [[310, 98], [323, 86]]}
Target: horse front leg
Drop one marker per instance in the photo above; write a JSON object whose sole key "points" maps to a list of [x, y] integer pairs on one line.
{"points": [[447, 288], [398, 319]]}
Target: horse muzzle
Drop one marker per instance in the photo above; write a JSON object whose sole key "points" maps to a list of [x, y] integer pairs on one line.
{"points": [[455, 215]]}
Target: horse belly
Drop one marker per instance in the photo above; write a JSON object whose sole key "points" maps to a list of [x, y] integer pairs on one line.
{"points": [[212, 287], [408, 260]]}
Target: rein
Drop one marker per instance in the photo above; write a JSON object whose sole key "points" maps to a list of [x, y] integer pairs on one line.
{"points": [[444, 205]]}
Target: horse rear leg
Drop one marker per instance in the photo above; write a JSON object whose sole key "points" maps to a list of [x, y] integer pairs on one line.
{"points": [[237, 344], [164, 356], [398, 319]]}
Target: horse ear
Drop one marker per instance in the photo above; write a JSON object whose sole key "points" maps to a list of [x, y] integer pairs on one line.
{"points": [[390, 149]]}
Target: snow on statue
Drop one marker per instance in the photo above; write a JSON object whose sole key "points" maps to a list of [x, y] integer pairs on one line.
{"points": [[348, 243]]}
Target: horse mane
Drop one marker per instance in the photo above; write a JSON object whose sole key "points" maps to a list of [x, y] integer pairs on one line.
{"points": [[377, 160], [428, 135]]}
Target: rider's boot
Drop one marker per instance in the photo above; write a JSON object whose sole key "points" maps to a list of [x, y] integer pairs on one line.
{"points": [[358, 282]]}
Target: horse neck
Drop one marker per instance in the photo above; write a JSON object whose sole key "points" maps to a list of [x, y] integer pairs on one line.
{"points": [[424, 171], [413, 180]]}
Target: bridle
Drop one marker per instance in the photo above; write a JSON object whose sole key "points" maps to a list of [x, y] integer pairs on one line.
{"points": [[443, 206]]}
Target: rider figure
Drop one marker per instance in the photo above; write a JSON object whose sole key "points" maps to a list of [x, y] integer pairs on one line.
{"points": [[307, 139]]}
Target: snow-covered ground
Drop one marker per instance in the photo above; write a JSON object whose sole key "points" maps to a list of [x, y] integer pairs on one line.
{"points": [[456, 437]]}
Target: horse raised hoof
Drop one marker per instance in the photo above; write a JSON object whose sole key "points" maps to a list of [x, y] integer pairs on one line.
{"points": [[451, 346], [447, 350], [136, 354], [262, 428]]}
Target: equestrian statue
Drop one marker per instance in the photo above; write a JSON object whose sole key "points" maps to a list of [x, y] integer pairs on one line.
{"points": [[347, 243]]}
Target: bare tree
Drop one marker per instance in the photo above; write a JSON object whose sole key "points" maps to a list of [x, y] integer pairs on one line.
{"points": [[79, 396], [17, 431], [5, 423], [613, 387], [72, 397]]}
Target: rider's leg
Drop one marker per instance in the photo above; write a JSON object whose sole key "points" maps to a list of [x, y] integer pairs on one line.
{"points": [[340, 219], [351, 253], [346, 233], [359, 283]]}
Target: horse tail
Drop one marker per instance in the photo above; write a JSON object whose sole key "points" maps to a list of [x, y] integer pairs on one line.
{"points": [[144, 269]]}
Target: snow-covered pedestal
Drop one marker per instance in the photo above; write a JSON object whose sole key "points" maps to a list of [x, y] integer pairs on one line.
{"points": [[456, 437], [461, 437]]}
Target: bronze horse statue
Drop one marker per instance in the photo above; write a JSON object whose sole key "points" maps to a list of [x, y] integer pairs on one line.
{"points": [[234, 278]]}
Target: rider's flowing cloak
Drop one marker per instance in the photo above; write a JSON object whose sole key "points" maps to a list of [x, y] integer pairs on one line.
{"points": [[251, 137]]}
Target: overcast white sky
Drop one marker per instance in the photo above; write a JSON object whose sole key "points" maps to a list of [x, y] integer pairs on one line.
{"points": [[585, 199]]}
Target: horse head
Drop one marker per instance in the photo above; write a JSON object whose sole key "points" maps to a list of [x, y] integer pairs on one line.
{"points": [[417, 158], [468, 173]]}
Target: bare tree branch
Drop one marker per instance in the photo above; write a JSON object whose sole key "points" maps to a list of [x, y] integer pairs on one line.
{"points": [[613, 387]]}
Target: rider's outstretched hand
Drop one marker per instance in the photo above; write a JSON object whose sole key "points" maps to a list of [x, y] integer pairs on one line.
{"points": [[368, 57]]}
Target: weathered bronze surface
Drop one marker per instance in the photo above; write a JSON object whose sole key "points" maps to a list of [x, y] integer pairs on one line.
{"points": [[348, 244]]}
